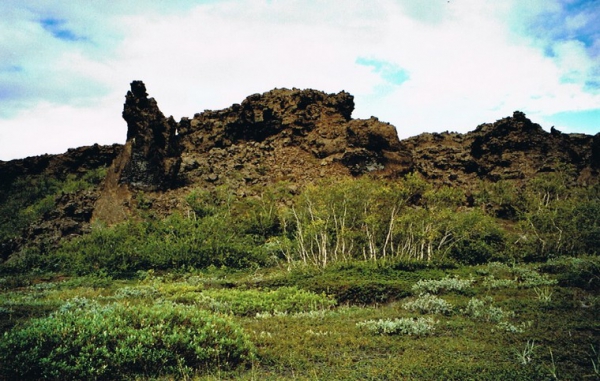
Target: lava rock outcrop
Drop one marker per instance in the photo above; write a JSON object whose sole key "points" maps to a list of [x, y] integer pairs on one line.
{"points": [[295, 136], [512, 148], [152, 151]]}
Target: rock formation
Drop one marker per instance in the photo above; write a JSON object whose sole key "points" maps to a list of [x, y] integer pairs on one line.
{"points": [[72, 212], [152, 153], [512, 148], [293, 135], [297, 136]]}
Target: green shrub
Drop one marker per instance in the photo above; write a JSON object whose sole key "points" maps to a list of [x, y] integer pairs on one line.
{"points": [[479, 238], [529, 278], [482, 310], [139, 292], [581, 272], [402, 326], [84, 340], [174, 242], [492, 283], [429, 304]]}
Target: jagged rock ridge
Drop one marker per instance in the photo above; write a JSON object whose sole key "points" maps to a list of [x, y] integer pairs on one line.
{"points": [[512, 148], [298, 136]]}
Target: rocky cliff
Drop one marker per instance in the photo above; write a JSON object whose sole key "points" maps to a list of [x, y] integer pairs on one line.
{"points": [[512, 148], [296, 136]]}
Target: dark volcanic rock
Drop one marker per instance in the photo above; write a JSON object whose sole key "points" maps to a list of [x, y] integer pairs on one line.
{"points": [[70, 217], [296, 136], [74, 161], [72, 212], [512, 148], [154, 155]]}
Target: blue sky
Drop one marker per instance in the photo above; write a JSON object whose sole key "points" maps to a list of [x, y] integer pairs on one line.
{"points": [[424, 66]]}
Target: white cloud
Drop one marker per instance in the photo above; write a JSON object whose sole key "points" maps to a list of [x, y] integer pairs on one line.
{"points": [[53, 128], [466, 62]]}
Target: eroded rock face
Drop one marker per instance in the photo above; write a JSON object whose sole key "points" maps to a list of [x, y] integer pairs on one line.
{"points": [[294, 135], [512, 148], [75, 160], [73, 211]]}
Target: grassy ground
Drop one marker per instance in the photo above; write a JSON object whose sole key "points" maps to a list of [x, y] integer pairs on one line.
{"points": [[490, 322]]}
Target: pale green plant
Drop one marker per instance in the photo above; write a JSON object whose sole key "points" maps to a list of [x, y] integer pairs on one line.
{"points": [[544, 294], [310, 332], [528, 278], [257, 302], [525, 356], [44, 286], [552, 368], [139, 292], [498, 266], [483, 310], [405, 326], [490, 282], [265, 315], [512, 328], [429, 304], [522, 276]]}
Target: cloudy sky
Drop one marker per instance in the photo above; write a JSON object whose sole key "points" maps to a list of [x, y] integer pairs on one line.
{"points": [[422, 65]]}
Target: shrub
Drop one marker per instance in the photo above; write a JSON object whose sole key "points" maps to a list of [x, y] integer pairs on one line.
{"points": [[529, 278], [404, 326], [434, 286], [479, 238], [482, 310], [84, 340], [581, 272], [429, 304], [140, 292], [173, 242], [492, 283]]}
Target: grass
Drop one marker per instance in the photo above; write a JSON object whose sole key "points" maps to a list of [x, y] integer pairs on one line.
{"points": [[529, 329]]}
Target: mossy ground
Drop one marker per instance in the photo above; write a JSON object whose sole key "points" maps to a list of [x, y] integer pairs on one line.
{"points": [[546, 329]]}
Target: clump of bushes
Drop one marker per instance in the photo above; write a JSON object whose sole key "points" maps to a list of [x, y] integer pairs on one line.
{"points": [[581, 272], [429, 304], [402, 326], [434, 286], [84, 340], [482, 310], [174, 242]]}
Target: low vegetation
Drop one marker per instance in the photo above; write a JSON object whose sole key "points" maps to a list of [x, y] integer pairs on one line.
{"points": [[354, 279]]}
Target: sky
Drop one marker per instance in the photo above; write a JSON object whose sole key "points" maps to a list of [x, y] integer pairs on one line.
{"points": [[421, 65]]}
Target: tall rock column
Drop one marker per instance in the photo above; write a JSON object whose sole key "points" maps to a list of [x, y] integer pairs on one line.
{"points": [[154, 153], [149, 160]]}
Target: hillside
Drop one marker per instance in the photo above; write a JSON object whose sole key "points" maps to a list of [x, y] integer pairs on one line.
{"points": [[294, 136], [280, 239]]}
